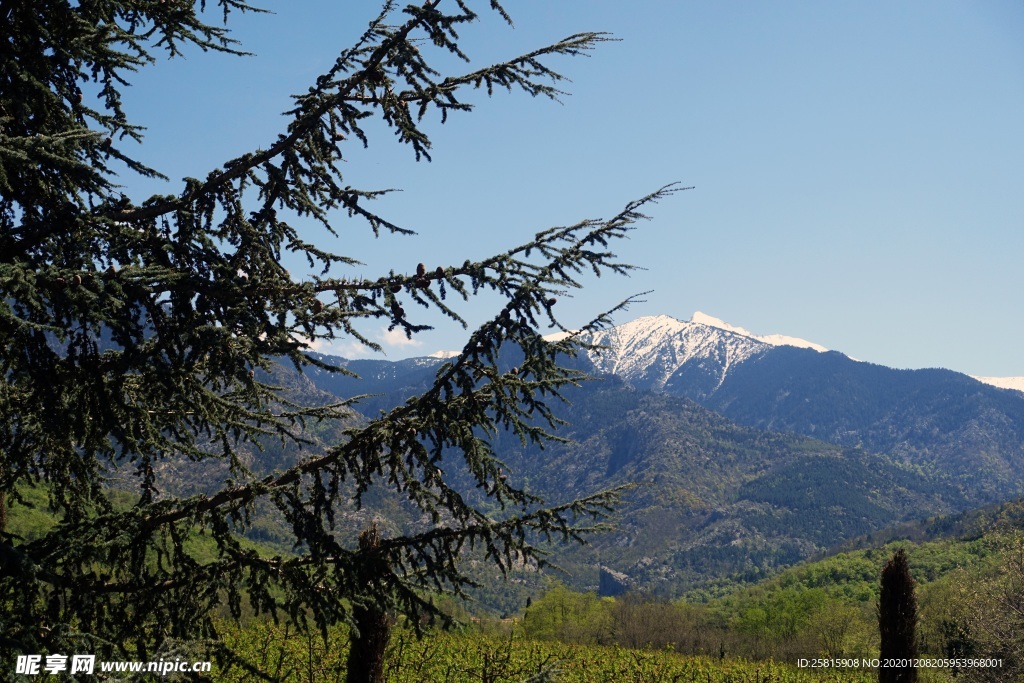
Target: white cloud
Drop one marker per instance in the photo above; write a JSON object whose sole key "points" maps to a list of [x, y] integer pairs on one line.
{"points": [[396, 337], [350, 348], [346, 348]]}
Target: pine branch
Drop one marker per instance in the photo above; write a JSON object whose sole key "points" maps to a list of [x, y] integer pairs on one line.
{"points": [[242, 166], [141, 337]]}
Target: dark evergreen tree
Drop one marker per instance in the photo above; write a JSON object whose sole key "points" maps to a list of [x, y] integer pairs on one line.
{"points": [[135, 332], [897, 621]]}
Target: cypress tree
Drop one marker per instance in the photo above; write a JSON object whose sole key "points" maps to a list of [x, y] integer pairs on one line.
{"points": [[897, 621], [136, 332]]}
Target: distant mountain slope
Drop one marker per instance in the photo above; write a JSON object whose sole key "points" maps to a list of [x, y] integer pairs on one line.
{"points": [[772, 339], [941, 420], [713, 498], [718, 499], [384, 384], [648, 351], [948, 423]]}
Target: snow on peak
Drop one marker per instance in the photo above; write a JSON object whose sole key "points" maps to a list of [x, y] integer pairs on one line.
{"points": [[559, 336], [1016, 383], [650, 324], [649, 350], [712, 321], [771, 339], [443, 354]]}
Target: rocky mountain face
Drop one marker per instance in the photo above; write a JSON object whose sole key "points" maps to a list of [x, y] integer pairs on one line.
{"points": [[648, 352]]}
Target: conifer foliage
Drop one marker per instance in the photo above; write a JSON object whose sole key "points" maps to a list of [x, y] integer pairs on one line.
{"points": [[897, 621], [136, 331]]}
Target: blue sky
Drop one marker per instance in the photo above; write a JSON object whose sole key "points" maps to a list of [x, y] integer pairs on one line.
{"points": [[858, 167]]}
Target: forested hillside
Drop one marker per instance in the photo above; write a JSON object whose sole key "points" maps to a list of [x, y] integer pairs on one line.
{"points": [[711, 499], [944, 422]]}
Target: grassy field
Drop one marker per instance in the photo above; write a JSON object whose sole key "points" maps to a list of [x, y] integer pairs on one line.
{"points": [[506, 658]]}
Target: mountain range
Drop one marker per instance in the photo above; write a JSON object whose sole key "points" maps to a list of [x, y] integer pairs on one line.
{"points": [[944, 422], [660, 341], [749, 452]]}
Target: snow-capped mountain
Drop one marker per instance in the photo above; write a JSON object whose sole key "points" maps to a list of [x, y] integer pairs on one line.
{"points": [[902, 442], [648, 351], [934, 418], [771, 339]]}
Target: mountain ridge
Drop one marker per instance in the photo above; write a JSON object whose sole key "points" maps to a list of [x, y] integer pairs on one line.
{"points": [[648, 350], [712, 425], [625, 336], [937, 419], [633, 340]]}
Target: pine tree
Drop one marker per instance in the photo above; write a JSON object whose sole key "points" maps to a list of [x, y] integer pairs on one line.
{"points": [[136, 332], [897, 621]]}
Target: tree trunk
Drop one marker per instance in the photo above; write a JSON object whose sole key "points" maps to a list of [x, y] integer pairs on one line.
{"points": [[369, 640], [367, 647]]}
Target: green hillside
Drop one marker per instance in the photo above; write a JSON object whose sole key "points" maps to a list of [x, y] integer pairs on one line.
{"points": [[713, 499], [969, 591], [968, 568]]}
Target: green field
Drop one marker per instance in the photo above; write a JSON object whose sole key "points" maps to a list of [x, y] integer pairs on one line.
{"points": [[500, 658]]}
